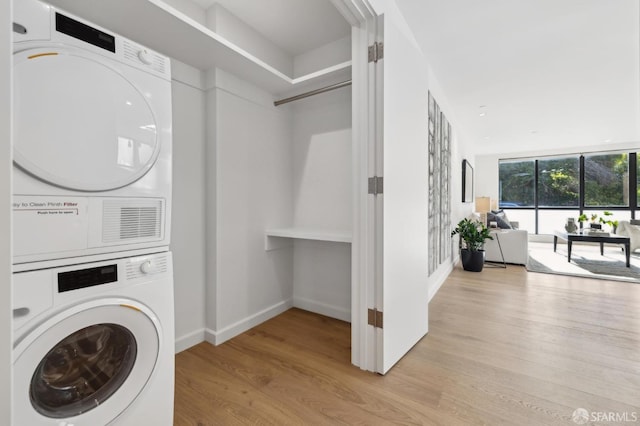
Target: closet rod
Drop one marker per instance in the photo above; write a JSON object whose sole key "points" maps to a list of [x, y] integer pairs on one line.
{"points": [[313, 92]]}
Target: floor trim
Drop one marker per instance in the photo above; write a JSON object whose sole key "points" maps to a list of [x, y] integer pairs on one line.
{"points": [[239, 327]]}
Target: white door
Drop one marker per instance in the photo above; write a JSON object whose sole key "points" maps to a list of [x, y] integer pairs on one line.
{"points": [[401, 157]]}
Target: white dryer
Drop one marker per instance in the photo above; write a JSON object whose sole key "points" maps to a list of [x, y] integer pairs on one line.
{"points": [[94, 343], [92, 139]]}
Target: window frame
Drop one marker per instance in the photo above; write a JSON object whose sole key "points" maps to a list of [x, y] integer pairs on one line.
{"points": [[581, 208]]}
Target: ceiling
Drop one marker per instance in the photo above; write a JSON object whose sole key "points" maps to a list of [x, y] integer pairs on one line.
{"points": [[284, 21], [518, 75], [534, 74]]}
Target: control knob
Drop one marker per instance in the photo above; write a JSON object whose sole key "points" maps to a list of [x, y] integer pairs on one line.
{"points": [[145, 56], [145, 267]]}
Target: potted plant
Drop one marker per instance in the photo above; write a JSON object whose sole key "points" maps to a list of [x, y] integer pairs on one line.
{"points": [[582, 219], [593, 219], [608, 220], [472, 237]]}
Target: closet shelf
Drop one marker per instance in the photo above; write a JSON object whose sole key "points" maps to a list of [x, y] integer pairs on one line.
{"points": [[159, 26], [271, 243]]}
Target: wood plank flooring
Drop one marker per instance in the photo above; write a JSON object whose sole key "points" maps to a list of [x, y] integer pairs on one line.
{"points": [[504, 347]]}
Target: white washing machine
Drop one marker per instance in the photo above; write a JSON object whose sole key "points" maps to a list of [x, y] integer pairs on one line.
{"points": [[94, 343], [92, 140]]}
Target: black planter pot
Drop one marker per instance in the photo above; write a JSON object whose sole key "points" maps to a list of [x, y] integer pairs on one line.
{"points": [[472, 260]]}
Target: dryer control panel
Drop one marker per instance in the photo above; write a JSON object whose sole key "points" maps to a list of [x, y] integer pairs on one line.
{"points": [[37, 21]]}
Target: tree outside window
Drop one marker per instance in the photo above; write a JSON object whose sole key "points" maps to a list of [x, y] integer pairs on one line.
{"points": [[606, 180], [517, 180], [559, 182]]}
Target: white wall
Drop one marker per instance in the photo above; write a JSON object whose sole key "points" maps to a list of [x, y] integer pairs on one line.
{"points": [[189, 8], [189, 202], [322, 161], [322, 200], [5, 213], [229, 26], [330, 54], [253, 179], [486, 176]]}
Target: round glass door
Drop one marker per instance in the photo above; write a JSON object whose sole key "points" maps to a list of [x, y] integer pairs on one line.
{"points": [[85, 365], [83, 370], [78, 122]]}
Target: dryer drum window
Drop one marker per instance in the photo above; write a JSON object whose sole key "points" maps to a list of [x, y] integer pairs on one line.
{"points": [[83, 370]]}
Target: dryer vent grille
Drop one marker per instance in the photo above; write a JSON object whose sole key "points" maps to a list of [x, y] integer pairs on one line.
{"points": [[131, 220]]}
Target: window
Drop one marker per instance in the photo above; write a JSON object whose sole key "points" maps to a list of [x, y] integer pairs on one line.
{"points": [[545, 192], [559, 182], [606, 180], [637, 180], [517, 181]]}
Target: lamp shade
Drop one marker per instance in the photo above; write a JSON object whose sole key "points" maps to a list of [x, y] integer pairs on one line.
{"points": [[483, 204]]}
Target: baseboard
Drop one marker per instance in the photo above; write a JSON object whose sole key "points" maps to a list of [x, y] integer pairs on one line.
{"points": [[239, 327], [322, 309], [440, 276], [188, 340]]}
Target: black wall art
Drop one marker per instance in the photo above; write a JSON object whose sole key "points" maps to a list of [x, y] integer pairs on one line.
{"points": [[467, 182], [439, 212]]}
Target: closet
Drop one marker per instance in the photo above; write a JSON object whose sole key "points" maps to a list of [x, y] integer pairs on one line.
{"points": [[287, 217], [279, 178]]}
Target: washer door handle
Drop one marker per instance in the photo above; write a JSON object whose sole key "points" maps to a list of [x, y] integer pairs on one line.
{"points": [[21, 312]]}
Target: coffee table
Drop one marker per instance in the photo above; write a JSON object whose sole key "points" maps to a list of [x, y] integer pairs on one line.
{"points": [[591, 238]]}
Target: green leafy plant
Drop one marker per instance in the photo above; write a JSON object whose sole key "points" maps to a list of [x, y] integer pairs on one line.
{"points": [[604, 219], [593, 218], [474, 234], [608, 220]]}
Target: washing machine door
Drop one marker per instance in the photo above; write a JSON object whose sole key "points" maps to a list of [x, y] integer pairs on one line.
{"points": [[85, 366], [79, 122]]}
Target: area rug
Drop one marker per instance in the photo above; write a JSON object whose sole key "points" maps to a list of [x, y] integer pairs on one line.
{"points": [[586, 261]]}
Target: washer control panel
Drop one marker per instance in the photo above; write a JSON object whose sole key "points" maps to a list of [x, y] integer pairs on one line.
{"points": [[83, 278], [37, 291]]}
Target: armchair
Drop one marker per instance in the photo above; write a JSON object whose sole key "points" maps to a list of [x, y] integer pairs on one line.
{"points": [[626, 229]]}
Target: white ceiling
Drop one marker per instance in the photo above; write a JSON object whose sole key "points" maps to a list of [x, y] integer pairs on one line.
{"points": [[296, 26], [550, 73]]}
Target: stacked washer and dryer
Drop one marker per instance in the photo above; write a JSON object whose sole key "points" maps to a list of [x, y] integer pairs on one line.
{"points": [[93, 282]]}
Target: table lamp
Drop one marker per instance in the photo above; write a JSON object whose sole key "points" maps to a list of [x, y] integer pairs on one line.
{"points": [[483, 206]]}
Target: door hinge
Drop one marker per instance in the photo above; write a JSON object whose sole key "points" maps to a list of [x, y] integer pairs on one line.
{"points": [[375, 318], [375, 185], [376, 51]]}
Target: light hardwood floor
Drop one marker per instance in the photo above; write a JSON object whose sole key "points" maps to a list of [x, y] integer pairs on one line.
{"points": [[504, 347]]}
